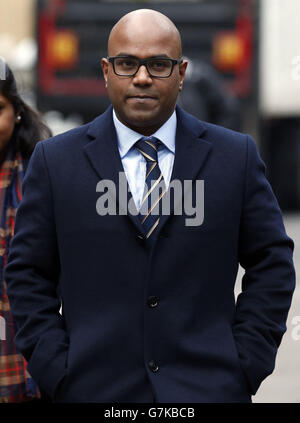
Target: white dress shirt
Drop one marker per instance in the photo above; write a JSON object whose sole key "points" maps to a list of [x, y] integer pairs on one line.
{"points": [[134, 163]]}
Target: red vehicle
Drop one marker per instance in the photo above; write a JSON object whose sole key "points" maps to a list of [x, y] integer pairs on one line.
{"points": [[72, 37]]}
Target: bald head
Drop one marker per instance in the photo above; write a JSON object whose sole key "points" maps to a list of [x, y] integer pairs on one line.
{"points": [[146, 21], [140, 39]]}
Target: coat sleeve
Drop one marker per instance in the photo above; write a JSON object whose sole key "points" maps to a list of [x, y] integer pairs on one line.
{"points": [[32, 275], [265, 252]]}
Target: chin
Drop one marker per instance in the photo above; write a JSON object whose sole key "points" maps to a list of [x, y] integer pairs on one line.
{"points": [[141, 120]]}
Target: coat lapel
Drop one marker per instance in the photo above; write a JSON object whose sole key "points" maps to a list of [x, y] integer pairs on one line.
{"points": [[102, 152], [191, 152], [103, 155]]}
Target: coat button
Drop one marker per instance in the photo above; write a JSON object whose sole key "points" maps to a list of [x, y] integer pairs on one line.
{"points": [[152, 302], [153, 366]]}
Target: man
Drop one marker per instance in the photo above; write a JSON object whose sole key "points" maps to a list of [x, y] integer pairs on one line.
{"points": [[148, 308]]}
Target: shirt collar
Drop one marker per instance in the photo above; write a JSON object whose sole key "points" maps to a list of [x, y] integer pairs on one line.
{"points": [[127, 137]]}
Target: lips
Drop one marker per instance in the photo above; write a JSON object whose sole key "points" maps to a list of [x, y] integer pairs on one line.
{"points": [[142, 97]]}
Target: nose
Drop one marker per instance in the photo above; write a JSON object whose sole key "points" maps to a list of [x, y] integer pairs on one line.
{"points": [[142, 76]]}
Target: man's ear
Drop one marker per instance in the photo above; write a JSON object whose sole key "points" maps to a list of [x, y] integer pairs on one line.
{"points": [[105, 64], [182, 70]]}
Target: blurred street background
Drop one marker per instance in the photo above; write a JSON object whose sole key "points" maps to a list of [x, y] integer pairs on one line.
{"points": [[243, 73]]}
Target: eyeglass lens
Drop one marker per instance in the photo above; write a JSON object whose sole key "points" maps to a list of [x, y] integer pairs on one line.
{"points": [[128, 66]]}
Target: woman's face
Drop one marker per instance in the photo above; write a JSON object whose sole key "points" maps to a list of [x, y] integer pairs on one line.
{"points": [[7, 122]]}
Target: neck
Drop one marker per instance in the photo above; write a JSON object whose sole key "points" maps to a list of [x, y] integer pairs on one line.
{"points": [[143, 130]]}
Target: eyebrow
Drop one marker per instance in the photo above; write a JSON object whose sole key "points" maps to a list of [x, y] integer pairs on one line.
{"points": [[151, 57]]}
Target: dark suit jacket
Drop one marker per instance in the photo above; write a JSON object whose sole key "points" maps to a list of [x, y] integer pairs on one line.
{"points": [[110, 339]]}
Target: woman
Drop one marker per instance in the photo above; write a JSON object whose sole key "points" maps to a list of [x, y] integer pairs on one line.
{"points": [[20, 129]]}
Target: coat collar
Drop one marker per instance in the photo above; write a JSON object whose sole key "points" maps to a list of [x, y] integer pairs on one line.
{"points": [[103, 155], [191, 150], [190, 154]]}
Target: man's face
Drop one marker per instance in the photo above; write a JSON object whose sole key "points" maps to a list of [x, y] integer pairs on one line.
{"points": [[141, 102]]}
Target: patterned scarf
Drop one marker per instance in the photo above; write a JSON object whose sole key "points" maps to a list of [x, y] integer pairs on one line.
{"points": [[16, 385]]}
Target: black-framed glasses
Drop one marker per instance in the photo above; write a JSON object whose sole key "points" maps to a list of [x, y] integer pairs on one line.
{"points": [[157, 67]]}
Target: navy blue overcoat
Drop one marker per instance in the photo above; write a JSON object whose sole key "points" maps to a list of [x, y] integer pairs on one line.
{"points": [[143, 324]]}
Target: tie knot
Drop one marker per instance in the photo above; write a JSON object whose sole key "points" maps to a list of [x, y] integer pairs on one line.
{"points": [[148, 147]]}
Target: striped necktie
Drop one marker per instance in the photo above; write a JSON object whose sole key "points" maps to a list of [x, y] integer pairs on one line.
{"points": [[155, 187]]}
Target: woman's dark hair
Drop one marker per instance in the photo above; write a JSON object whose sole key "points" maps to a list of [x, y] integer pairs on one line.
{"points": [[30, 129]]}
